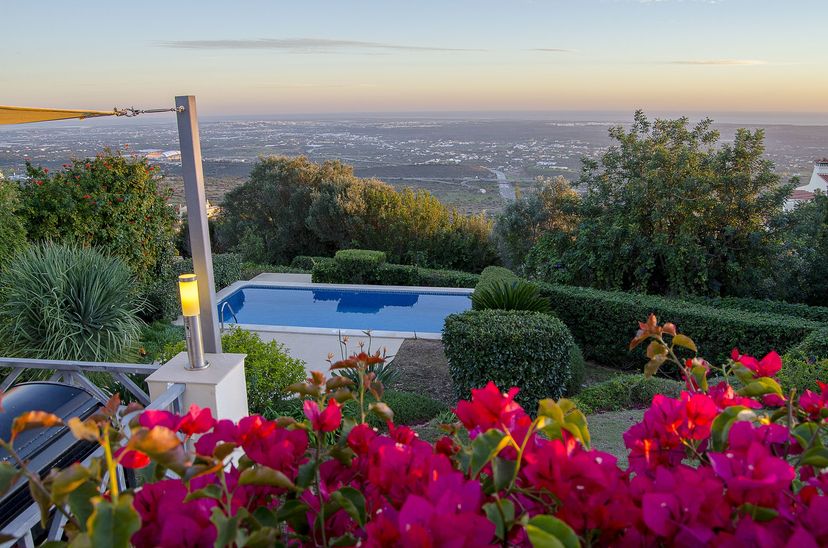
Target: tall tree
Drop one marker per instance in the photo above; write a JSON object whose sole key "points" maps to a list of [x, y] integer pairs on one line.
{"points": [[670, 209]]}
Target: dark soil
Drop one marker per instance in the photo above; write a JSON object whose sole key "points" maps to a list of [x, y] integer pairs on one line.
{"points": [[424, 370]]}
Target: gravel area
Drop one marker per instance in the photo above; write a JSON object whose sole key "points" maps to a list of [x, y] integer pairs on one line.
{"points": [[424, 370]]}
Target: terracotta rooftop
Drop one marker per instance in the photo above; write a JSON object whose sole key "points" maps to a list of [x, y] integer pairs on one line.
{"points": [[801, 195]]}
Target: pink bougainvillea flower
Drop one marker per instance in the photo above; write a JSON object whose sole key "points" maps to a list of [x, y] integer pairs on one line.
{"points": [[360, 437], [766, 367], [153, 417], [490, 408], [324, 421], [131, 459], [749, 469], [196, 421], [815, 405], [725, 396], [168, 521], [224, 431]]}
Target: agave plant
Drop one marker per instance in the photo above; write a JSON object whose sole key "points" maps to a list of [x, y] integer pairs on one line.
{"points": [[511, 295], [70, 303]]}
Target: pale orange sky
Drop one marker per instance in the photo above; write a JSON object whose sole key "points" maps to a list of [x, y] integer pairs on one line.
{"points": [[326, 56]]}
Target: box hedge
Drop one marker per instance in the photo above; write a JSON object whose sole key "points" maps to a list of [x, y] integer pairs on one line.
{"points": [[630, 391], [530, 350], [162, 294], [804, 311], [430, 277], [346, 271], [305, 262], [396, 274], [359, 265], [603, 323]]}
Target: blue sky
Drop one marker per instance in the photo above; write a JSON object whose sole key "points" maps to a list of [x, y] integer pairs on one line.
{"points": [[273, 57]]}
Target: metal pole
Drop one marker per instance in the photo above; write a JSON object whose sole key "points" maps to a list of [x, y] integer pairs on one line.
{"points": [[196, 201]]}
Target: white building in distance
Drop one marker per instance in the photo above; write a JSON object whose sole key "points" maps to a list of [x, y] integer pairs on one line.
{"points": [[819, 181]]}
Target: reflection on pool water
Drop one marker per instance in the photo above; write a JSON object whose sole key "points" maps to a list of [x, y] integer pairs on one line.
{"points": [[375, 309]]}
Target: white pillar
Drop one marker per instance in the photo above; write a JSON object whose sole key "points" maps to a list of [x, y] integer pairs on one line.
{"points": [[196, 201], [221, 387]]}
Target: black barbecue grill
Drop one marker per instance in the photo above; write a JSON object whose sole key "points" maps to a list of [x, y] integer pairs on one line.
{"points": [[42, 448]]}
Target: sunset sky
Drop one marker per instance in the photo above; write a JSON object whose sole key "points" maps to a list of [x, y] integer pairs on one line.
{"points": [[314, 56]]}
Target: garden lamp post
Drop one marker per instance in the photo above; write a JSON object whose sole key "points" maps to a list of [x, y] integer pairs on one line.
{"points": [[191, 312]]}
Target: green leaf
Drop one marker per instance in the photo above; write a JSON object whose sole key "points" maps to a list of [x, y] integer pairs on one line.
{"points": [[294, 513], [265, 537], [685, 342], [211, 491], [550, 532], [806, 434], [43, 500], [721, 424], [502, 517], [112, 525], [227, 529], [759, 513], [265, 517], [652, 366], [485, 447], [67, 480], [553, 417], [262, 475], [345, 540], [352, 501], [8, 476], [504, 472], [760, 387], [80, 502], [815, 456], [306, 474]]}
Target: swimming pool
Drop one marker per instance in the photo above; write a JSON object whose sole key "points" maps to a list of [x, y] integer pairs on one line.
{"points": [[347, 308]]}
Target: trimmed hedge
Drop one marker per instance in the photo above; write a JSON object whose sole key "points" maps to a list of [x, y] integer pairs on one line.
{"points": [[162, 294], [359, 265], [629, 391], [495, 273], [530, 350], [330, 271], [327, 272], [430, 277], [604, 322], [396, 274], [806, 363], [305, 262], [804, 311]]}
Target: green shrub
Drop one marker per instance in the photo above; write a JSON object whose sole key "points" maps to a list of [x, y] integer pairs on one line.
{"points": [[503, 295], [327, 272], [305, 262], [631, 391], [12, 231], [359, 265], [814, 313], [64, 302], [577, 368], [111, 201], [802, 373], [446, 278], [268, 368], [163, 295], [396, 274], [292, 206], [604, 322], [496, 273], [530, 350], [409, 408], [154, 339]]}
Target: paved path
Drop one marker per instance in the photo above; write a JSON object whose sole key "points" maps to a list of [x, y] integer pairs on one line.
{"points": [[507, 189]]}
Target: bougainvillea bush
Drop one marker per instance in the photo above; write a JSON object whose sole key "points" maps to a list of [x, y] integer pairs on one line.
{"points": [[731, 463]]}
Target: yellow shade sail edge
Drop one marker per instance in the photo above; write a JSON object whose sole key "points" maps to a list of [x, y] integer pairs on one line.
{"points": [[25, 115]]}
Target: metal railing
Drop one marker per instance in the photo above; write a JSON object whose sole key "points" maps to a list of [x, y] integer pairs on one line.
{"points": [[27, 522], [224, 305], [72, 372]]}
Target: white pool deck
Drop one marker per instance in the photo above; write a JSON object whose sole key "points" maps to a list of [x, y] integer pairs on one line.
{"points": [[313, 344]]}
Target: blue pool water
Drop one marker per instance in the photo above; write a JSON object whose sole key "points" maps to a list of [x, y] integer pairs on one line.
{"points": [[379, 310]]}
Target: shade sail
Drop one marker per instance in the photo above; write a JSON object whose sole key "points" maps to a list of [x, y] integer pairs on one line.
{"points": [[25, 115]]}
